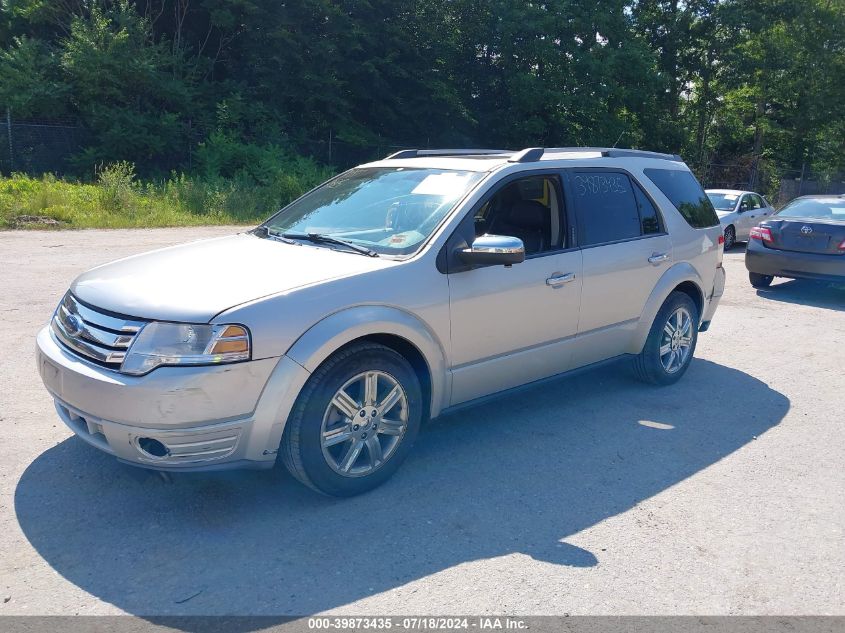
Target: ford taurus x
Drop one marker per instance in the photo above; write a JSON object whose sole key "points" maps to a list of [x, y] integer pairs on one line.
{"points": [[388, 295]]}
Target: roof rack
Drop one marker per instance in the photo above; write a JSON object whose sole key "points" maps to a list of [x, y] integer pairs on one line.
{"points": [[534, 154], [416, 153]]}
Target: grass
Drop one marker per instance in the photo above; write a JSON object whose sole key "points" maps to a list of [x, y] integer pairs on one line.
{"points": [[118, 200]]}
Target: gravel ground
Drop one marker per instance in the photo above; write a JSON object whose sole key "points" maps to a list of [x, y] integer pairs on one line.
{"points": [[595, 495]]}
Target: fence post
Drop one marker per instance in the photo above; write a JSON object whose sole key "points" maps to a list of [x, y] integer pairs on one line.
{"points": [[801, 182], [9, 132], [330, 146]]}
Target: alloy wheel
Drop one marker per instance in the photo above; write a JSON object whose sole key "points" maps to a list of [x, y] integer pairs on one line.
{"points": [[364, 423], [676, 340]]}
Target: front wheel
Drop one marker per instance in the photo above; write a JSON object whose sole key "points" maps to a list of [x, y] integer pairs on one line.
{"points": [[671, 342], [760, 281], [354, 422]]}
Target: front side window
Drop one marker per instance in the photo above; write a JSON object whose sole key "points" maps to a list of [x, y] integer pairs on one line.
{"points": [[527, 208], [389, 210], [606, 207], [750, 202], [686, 195]]}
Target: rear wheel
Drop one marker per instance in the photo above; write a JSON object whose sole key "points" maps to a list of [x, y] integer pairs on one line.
{"points": [[671, 341], [354, 421], [760, 281], [730, 238]]}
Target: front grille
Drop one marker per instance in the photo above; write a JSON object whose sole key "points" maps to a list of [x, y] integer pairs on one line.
{"points": [[97, 336]]}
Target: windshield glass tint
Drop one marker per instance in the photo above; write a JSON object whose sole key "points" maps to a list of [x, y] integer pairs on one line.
{"points": [[723, 201], [820, 209], [389, 210]]}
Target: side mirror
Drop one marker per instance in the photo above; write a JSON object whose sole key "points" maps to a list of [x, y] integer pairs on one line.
{"points": [[494, 250]]}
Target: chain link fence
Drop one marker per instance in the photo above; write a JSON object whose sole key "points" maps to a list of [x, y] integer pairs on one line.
{"points": [[39, 147], [777, 184]]}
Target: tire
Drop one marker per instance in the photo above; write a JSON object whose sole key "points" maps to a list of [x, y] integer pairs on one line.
{"points": [[760, 281], [649, 365], [730, 237], [315, 418]]}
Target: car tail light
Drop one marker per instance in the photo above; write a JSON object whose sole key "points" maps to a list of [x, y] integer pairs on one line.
{"points": [[721, 240], [762, 233], [842, 245]]}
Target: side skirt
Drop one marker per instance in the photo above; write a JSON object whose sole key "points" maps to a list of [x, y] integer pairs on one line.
{"points": [[530, 385]]}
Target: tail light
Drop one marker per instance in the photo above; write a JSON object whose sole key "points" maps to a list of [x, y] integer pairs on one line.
{"points": [[762, 233], [722, 240], [842, 245]]}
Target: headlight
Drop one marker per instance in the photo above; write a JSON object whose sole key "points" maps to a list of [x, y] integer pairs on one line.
{"points": [[185, 344]]}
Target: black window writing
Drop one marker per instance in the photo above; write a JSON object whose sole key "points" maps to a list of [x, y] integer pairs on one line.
{"points": [[606, 207], [686, 194]]}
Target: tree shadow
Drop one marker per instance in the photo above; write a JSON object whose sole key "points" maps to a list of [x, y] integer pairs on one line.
{"points": [[809, 293], [517, 475]]}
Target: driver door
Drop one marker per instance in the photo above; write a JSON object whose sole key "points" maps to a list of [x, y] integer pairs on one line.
{"points": [[514, 325], [745, 218]]}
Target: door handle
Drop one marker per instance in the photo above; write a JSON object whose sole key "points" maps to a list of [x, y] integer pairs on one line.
{"points": [[658, 258], [560, 279]]}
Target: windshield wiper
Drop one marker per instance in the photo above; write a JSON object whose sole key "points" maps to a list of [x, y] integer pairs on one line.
{"points": [[266, 231], [319, 238]]}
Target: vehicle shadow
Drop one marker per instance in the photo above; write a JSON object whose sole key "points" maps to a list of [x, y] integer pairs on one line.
{"points": [[517, 475], [808, 293]]}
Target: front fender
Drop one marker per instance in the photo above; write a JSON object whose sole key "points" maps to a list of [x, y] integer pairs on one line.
{"points": [[671, 279], [340, 328]]}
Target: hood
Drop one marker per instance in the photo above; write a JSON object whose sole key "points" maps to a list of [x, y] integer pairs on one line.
{"points": [[194, 282]]}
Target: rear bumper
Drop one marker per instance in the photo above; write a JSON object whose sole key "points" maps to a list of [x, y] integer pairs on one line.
{"points": [[208, 418], [765, 261], [713, 300]]}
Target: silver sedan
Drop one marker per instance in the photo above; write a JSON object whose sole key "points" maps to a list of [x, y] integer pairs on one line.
{"points": [[739, 212]]}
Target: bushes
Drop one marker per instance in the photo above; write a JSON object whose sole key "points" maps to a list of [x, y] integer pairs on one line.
{"points": [[263, 182]]}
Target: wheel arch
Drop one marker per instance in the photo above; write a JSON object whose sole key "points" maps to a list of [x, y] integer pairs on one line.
{"points": [[681, 277], [395, 328]]}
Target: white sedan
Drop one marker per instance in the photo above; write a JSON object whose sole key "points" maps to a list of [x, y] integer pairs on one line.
{"points": [[739, 212]]}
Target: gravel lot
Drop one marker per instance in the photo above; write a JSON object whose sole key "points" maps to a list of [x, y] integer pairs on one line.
{"points": [[595, 495]]}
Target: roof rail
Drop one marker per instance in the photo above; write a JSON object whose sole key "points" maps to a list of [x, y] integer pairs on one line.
{"points": [[638, 153], [612, 152], [418, 153], [534, 154]]}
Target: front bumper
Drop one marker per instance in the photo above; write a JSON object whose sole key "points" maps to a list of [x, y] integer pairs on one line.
{"points": [[215, 417], [794, 265]]}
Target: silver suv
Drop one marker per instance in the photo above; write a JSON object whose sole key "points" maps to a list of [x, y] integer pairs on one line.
{"points": [[388, 295]]}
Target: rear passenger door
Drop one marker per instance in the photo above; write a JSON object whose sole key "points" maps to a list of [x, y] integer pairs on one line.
{"points": [[625, 251]]}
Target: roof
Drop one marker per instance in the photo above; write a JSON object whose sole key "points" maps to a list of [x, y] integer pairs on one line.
{"points": [[482, 160]]}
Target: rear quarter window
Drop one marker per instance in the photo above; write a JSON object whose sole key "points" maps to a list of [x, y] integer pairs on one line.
{"points": [[686, 195]]}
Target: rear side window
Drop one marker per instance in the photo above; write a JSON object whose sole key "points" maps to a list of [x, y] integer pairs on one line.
{"points": [[686, 194], [606, 208], [649, 219]]}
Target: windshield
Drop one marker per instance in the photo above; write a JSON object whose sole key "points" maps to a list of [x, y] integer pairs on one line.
{"points": [[723, 201], [831, 209], [390, 210]]}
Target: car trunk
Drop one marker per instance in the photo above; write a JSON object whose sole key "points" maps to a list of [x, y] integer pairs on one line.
{"points": [[807, 236]]}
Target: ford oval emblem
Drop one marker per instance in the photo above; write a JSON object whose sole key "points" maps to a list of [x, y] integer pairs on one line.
{"points": [[806, 230], [74, 325]]}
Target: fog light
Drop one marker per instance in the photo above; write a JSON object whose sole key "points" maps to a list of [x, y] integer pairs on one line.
{"points": [[152, 447]]}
